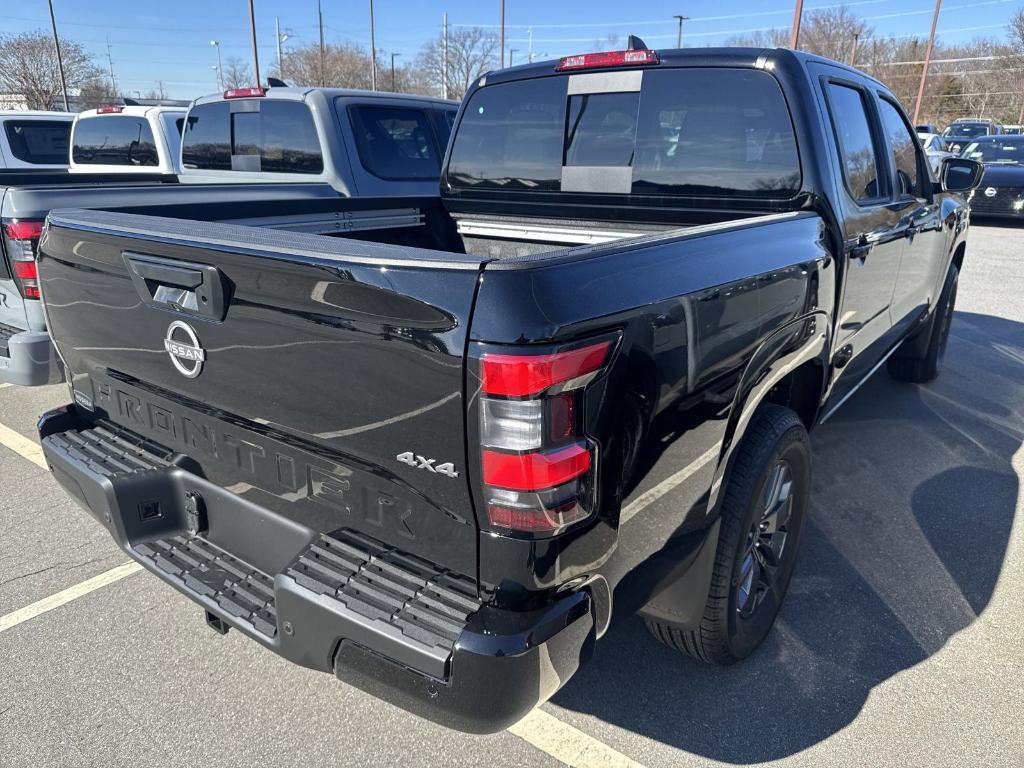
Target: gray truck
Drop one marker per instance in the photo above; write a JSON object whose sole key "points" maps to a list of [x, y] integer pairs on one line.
{"points": [[252, 155]]}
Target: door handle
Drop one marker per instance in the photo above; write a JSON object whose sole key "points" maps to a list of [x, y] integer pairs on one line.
{"points": [[180, 286], [862, 248]]}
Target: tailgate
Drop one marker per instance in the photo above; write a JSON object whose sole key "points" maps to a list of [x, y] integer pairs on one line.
{"points": [[293, 370]]}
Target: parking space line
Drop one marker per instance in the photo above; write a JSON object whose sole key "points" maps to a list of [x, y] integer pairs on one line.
{"points": [[568, 744], [22, 446], [5, 385], [65, 596]]}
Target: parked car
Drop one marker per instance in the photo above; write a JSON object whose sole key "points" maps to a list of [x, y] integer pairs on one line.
{"points": [[437, 465], [1001, 191], [936, 150], [298, 151], [926, 128], [960, 132], [34, 140], [126, 139], [360, 142], [1013, 130]]}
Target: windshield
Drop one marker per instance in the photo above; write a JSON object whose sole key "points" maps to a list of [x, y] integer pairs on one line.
{"points": [[669, 132], [1004, 152], [967, 130]]}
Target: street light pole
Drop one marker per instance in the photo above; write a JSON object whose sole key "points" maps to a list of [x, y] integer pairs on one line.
{"points": [[60, 61], [444, 65], [279, 38], [927, 61], [853, 53], [393, 90], [502, 34], [511, 55], [373, 53], [798, 14], [679, 33], [320, 18], [255, 52], [220, 65]]}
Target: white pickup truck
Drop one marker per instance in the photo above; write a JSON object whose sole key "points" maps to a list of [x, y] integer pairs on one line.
{"points": [[128, 139], [31, 140]]}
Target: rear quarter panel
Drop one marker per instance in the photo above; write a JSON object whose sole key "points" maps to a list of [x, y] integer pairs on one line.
{"points": [[709, 318]]}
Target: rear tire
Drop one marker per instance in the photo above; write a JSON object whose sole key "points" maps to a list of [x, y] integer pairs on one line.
{"points": [[919, 357], [763, 511]]}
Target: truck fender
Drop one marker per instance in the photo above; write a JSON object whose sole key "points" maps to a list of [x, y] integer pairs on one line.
{"points": [[803, 341], [681, 596]]}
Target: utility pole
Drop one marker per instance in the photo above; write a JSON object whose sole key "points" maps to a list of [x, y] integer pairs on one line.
{"points": [[255, 53], [927, 62], [444, 65], [798, 14], [502, 34], [110, 64], [220, 66], [60, 61], [279, 38], [511, 55], [320, 17], [393, 90], [853, 52], [373, 53], [529, 50], [679, 33]]}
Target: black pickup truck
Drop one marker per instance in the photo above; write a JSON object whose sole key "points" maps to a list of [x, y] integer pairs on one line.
{"points": [[438, 464]]}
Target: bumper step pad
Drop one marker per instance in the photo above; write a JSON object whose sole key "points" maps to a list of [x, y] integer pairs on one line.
{"points": [[206, 570], [428, 606], [106, 452], [383, 584]]}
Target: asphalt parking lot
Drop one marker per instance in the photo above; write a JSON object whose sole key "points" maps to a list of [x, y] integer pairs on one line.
{"points": [[900, 641]]}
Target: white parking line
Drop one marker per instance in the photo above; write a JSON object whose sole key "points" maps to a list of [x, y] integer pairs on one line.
{"points": [[4, 386], [67, 595], [568, 744], [22, 446]]}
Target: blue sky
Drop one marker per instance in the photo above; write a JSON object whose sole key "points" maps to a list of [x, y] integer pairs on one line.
{"points": [[170, 41]]}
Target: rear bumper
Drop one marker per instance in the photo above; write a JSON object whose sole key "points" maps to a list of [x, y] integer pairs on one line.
{"points": [[28, 358], [383, 620]]}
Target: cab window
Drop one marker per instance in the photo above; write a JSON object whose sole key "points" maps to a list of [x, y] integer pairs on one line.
{"points": [[902, 149]]}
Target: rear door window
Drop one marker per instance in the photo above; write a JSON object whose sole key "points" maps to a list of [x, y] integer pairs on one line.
{"points": [[272, 136], [114, 140], [40, 142], [395, 142], [675, 135], [856, 145]]}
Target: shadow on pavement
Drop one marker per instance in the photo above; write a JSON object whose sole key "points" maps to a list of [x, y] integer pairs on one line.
{"points": [[913, 502]]}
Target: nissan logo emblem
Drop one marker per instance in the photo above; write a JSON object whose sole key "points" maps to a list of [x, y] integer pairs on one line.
{"points": [[182, 344], [990, 192]]}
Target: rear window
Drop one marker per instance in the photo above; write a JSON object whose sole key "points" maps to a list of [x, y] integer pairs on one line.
{"points": [[114, 140], [270, 136], [677, 134], [40, 142], [395, 142]]}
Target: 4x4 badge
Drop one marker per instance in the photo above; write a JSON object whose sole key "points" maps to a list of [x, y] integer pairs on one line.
{"points": [[187, 355]]}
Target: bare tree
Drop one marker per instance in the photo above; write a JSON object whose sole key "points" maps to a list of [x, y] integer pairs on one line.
{"points": [[764, 38], [237, 73], [28, 65], [97, 93], [344, 66], [471, 52], [157, 93]]}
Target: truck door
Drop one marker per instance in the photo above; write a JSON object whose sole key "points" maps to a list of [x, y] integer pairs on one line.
{"points": [[924, 244], [873, 233]]}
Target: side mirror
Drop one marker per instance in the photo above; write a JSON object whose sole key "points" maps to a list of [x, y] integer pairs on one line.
{"points": [[960, 174]]}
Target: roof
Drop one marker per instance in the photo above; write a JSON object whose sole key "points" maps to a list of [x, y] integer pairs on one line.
{"points": [[693, 57], [131, 111], [297, 92], [34, 114]]}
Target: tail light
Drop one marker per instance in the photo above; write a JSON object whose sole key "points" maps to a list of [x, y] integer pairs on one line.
{"points": [[537, 465], [607, 59], [21, 239]]}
